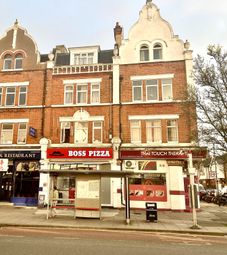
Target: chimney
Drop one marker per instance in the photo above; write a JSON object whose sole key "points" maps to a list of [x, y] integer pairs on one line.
{"points": [[118, 34]]}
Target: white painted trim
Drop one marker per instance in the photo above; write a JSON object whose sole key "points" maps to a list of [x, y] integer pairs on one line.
{"points": [[152, 77], [152, 102], [21, 107], [154, 117], [91, 118], [14, 120], [14, 84], [82, 81], [81, 105]]}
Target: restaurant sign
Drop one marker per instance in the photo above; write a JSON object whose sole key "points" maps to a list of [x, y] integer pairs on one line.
{"points": [[161, 154], [20, 154], [80, 153]]}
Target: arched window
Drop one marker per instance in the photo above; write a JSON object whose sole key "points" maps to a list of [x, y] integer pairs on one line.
{"points": [[7, 62], [157, 51], [18, 61], [144, 53]]}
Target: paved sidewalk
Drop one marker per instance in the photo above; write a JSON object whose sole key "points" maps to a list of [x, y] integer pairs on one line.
{"points": [[211, 218]]}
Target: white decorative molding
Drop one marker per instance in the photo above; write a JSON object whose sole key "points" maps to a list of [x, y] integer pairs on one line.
{"points": [[81, 81], [14, 120], [14, 84], [152, 77], [154, 117]]}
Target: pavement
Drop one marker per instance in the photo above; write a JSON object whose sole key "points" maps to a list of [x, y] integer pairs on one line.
{"points": [[212, 220]]}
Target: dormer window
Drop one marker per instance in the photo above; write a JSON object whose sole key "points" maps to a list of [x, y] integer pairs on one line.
{"points": [[144, 53], [8, 62], [18, 61], [157, 51], [84, 58]]}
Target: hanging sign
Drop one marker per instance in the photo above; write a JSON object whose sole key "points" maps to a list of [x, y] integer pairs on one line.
{"points": [[3, 165]]}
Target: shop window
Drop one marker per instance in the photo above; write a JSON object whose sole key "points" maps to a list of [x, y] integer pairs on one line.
{"points": [[97, 132], [8, 60], [172, 131], [18, 61], [167, 89], [68, 98], [144, 53], [152, 90], [137, 91], [82, 93], [95, 93], [22, 133], [65, 132], [10, 96], [22, 96], [7, 133], [154, 131], [81, 132], [157, 51], [135, 131]]}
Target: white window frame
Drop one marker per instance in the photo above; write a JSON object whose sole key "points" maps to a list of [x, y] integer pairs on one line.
{"points": [[8, 59], [81, 91], [22, 93], [70, 91], [82, 132], [21, 131], [172, 128], [84, 58], [97, 128], [151, 127], [135, 125], [11, 93], [152, 86], [3, 131], [144, 52], [158, 47], [170, 97], [95, 90], [137, 86], [64, 126], [16, 60]]}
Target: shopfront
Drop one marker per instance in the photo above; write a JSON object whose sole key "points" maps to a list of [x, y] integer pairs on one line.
{"points": [[19, 178], [75, 159], [163, 174]]}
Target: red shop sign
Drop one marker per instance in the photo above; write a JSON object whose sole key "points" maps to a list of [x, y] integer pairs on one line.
{"points": [[80, 153], [163, 154]]}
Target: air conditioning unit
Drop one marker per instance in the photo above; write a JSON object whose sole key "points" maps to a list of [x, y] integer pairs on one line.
{"points": [[129, 164]]}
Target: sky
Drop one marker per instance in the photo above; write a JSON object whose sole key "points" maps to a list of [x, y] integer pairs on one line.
{"points": [[77, 23]]}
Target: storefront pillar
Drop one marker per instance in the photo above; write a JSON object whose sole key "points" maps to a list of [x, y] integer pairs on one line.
{"points": [[176, 188]]}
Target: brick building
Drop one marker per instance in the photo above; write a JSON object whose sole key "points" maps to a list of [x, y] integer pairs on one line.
{"points": [[86, 108]]}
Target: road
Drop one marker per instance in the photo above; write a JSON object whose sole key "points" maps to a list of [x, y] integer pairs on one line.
{"points": [[49, 241]]}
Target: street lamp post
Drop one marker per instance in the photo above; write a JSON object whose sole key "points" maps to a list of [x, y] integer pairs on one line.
{"points": [[193, 188]]}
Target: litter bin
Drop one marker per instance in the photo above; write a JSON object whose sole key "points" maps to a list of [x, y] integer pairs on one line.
{"points": [[151, 212]]}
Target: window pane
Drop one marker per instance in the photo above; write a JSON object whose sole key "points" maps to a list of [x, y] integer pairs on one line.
{"points": [[8, 62], [167, 89], [18, 61], [157, 51], [65, 132], [144, 53], [22, 133], [97, 132], [95, 93], [10, 96], [0, 96], [68, 94], [81, 132], [81, 94], [172, 131], [7, 134], [137, 90], [23, 96], [154, 132], [152, 90], [135, 131]]}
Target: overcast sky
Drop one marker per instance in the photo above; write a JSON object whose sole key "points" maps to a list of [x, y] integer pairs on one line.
{"points": [[90, 22]]}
